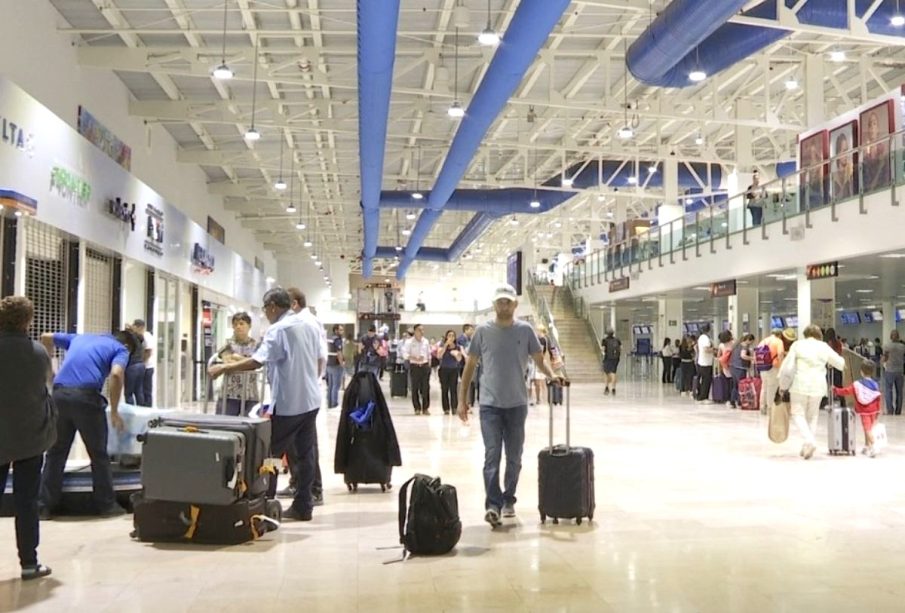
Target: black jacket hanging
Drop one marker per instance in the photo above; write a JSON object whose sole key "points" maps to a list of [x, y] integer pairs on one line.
{"points": [[364, 388]]}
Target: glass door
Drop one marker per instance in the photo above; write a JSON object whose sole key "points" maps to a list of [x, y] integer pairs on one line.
{"points": [[168, 362]]}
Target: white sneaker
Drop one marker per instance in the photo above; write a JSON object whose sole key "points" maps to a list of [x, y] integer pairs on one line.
{"points": [[871, 452], [508, 510], [492, 517], [865, 451], [809, 451]]}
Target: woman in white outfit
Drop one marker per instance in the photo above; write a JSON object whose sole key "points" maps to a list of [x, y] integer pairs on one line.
{"points": [[803, 374]]}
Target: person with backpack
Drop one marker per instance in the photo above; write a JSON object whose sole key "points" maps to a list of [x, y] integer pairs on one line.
{"points": [[768, 356], [504, 346], [612, 351]]}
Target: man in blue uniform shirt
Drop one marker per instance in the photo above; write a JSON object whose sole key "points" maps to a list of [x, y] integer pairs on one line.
{"points": [[90, 359]]}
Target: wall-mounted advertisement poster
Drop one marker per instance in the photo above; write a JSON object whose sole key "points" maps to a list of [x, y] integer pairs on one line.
{"points": [[105, 140], [843, 142], [812, 157], [876, 126]]}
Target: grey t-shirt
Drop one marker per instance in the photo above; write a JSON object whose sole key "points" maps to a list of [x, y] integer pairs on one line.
{"points": [[896, 362], [504, 354]]}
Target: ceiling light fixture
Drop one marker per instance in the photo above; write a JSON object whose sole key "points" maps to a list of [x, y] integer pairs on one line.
{"points": [[837, 55], [406, 232], [898, 19], [488, 37], [696, 76], [398, 247], [625, 132], [300, 225], [535, 204], [253, 135], [291, 208], [410, 216], [279, 184], [223, 72], [567, 182], [455, 110], [513, 221], [632, 180], [791, 84], [307, 243], [417, 195], [699, 139]]}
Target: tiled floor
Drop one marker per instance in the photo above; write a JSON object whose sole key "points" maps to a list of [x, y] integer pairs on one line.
{"points": [[697, 511]]}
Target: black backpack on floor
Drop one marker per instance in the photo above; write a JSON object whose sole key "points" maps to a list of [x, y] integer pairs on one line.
{"points": [[428, 522]]}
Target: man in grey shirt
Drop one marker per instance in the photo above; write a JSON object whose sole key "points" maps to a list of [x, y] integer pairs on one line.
{"points": [[504, 347], [894, 365]]}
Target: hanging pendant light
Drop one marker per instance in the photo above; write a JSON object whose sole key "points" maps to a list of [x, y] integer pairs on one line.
{"points": [[279, 184], [455, 110], [291, 208], [488, 37], [223, 72], [625, 132], [252, 134], [417, 195]]}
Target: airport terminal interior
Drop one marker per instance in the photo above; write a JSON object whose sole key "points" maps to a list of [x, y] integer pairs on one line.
{"points": [[701, 180]]}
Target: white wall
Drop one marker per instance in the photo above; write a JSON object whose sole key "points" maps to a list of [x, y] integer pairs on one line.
{"points": [[41, 60], [331, 303], [460, 291]]}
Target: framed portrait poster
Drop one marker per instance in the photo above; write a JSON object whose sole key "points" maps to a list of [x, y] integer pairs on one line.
{"points": [[812, 162], [844, 161], [877, 124]]}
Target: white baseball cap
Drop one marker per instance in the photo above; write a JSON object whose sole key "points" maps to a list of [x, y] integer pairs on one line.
{"points": [[505, 292]]}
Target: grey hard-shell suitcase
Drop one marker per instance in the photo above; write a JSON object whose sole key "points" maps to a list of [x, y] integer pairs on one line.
{"points": [[565, 477], [192, 465], [840, 427], [256, 432]]}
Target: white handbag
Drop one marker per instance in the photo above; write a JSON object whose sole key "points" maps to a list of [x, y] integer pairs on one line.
{"points": [[879, 434]]}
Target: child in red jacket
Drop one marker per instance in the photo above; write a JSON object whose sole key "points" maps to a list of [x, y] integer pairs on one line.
{"points": [[867, 402]]}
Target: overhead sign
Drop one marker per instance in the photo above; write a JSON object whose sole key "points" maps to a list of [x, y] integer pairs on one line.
{"points": [[722, 289], [822, 271], [618, 285]]}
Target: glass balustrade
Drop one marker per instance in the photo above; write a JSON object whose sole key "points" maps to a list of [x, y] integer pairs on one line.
{"points": [[848, 177]]}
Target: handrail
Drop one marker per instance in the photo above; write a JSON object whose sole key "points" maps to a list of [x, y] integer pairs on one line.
{"points": [[543, 311], [779, 200]]}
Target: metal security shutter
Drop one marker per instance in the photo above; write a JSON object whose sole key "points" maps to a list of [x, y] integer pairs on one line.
{"points": [[45, 277], [98, 292]]}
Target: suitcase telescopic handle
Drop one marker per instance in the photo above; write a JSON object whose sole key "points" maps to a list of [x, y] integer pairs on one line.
{"points": [[568, 399]]}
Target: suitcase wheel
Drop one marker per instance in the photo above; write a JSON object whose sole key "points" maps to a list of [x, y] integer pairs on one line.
{"points": [[383, 487], [578, 521], [555, 520], [543, 518], [353, 487]]}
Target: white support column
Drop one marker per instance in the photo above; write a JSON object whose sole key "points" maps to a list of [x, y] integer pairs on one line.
{"points": [[743, 312], [80, 292], [669, 320], [670, 180], [804, 299], [813, 89], [889, 319], [823, 304]]}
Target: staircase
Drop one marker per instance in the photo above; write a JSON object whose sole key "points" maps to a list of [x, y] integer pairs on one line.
{"points": [[578, 345]]}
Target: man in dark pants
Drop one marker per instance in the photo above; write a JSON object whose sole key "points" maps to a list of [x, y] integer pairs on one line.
{"points": [[90, 359], [141, 330], [705, 364], [135, 371], [294, 355], [417, 353], [27, 425]]}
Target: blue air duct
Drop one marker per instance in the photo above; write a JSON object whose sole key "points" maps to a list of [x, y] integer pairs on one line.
{"points": [[693, 35], [530, 26], [377, 24]]}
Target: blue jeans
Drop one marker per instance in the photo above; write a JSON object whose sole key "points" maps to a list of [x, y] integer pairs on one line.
{"points": [[892, 382], [334, 383], [499, 428], [135, 384], [737, 375]]}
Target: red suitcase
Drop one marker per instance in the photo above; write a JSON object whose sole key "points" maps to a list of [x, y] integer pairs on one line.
{"points": [[749, 393]]}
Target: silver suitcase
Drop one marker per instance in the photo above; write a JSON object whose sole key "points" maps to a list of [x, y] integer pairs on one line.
{"points": [[841, 431], [192, 465]]}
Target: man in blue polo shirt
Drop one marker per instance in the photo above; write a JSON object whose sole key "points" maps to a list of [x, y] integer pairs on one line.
{"points": [[294, 355], [90, 359]]}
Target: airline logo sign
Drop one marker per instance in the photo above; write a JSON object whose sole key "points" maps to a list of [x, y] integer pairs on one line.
{"points": [[153, 230], [822, 271]]}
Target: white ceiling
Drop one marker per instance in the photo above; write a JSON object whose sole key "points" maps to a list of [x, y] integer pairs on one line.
{"points": [[164, 51]]}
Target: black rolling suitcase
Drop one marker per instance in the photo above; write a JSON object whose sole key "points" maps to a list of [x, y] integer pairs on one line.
{"points": [[565, 477], [160, 521], [399, 382]]}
